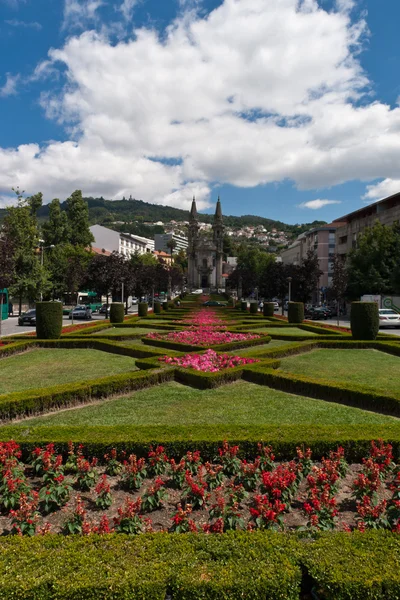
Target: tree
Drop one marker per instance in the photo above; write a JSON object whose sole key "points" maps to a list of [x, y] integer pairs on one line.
{"points": [[171, 244], [78, 220], [251, 265], [373, 267], [7, 270], [339, 281], [305, 277], [56, 229]]}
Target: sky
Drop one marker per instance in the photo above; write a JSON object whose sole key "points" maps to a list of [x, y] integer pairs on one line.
{"points": [[288, 109]]}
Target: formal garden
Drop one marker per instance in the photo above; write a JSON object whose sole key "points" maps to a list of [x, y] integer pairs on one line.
{"points": [[200, 452]]}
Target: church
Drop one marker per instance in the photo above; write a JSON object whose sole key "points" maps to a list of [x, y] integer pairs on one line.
{"points": [[205, 251]]}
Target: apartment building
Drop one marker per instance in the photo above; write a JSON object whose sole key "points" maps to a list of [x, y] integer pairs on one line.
{"points": [[161, 240], [349, 227], [123, 243]]}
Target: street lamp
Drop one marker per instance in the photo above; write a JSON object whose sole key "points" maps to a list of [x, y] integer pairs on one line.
{"points": [[289, 280], [42, 248]]}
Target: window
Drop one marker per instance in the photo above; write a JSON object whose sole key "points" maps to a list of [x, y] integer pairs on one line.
{"points": [[343, 239]]}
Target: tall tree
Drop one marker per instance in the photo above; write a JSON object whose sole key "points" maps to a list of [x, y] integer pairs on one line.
{"points": [[78, 220], [56, 230], [7, 270], [340, 281], [305, 277]]}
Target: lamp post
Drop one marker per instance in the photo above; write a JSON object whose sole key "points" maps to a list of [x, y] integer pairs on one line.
{"points": [[289, 280], [42, 248]]}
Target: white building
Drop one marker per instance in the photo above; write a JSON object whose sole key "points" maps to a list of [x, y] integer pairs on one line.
{"points": [[123, 243], [162, 239]]}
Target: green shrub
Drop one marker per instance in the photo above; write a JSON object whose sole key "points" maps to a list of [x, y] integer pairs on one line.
{"points": [[295, 312], [364, 320], [268, 309], [143, 309], [48, 320], [117, 312], [253, 308], [157, 308], [243, 305], [165, 305]]}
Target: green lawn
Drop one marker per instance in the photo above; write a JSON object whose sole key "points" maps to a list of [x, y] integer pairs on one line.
{"points": [[46, 367], [365, 367], [128, 331], [239, 403], [283, 331], [271, 346]]}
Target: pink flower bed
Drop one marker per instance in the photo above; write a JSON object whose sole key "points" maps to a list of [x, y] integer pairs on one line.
{"points": [[204, 336], [204, 318], [209, 362]]}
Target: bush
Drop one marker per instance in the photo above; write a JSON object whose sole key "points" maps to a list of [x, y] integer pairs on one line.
{"points": [[295, 312], [253, 308], [165, 305], [157, 308], [243, 305], [268, 309], [143, 309], [364, 320], [48, 320], [117, 312]]}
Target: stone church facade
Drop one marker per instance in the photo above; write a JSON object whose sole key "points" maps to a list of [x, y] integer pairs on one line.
{"points": [[205, 252]]}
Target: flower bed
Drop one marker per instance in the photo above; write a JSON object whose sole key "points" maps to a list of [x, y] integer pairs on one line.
{"points": [[204, 336], [209, 362], [135, 495], [203, 318]]}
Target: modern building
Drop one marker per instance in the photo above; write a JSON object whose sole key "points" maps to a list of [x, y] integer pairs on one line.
{"points": [[322, 240], [164, 257], [161, 242], [204, 252], [123, 243], [349, 227]]}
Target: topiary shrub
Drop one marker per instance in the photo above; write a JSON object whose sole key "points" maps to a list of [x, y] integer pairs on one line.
{"points": [[117, 312], [268, 309], [243, 305], [364, 320], [143, 309], [165, 305], [48, 320], [157, 308], [253, 308], [295, 312]]}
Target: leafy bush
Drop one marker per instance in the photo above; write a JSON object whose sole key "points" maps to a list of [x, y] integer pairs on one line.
{"points": [[143, 309], [253, 308], [48, 320], [117, 312], [157, 308], [364, 320], [243, 305], [268, 309], [295, 312], [165, 305]]}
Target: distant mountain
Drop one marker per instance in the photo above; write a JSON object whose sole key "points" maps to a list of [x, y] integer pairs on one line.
{"points": [[106, 212]]}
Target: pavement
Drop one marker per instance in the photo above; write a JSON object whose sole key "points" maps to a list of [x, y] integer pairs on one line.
{"points": [[10, 326]]}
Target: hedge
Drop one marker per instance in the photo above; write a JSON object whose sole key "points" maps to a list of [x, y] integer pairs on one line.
{"points": [[253, 308], [179, 347], [143, 308], [48, 320], [295, 312], [117, 312], [243, 305], [364, 320], [204, 380], [268, 309], [157, 308]]}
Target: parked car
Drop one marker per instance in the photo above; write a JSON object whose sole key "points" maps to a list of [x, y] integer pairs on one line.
{"points": [[316, 313], [389, 318], [134, 301], [81, 312], [199, 291], [28, 317], [104, 309], [214, 303]]}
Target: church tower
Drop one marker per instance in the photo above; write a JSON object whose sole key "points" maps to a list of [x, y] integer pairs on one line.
{"points": [[218, 237], [193, 239]]}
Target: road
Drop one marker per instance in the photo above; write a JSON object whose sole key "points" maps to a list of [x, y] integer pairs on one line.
{"points": [[11, 327]]}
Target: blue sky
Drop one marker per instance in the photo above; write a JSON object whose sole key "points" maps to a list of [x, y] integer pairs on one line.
{"points": [[288, 109]]}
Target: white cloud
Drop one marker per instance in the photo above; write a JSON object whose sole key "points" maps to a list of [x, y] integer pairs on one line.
{"points": [[10, 86], [127, 7], [79, 13], [380, 190], [316, 204], [13, 3], [256, 92], [24, 24]]}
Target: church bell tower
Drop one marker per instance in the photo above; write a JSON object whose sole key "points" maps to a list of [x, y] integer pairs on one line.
{"points": [[193, 238], [218, 237]]}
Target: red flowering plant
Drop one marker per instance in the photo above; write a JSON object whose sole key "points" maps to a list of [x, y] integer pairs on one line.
{"points": [[265, 457], [213, 475], [12, 486], [102, 489], [216, 527], [87, 474], [53, 469], [25, 518], [104, 527], [237, 493], [129, 520], [133, 472], [321, 509], [382, 455], [113, 465], [338, 463], [154, 496], [55, 493], [280, 484], [158, 461], [204, 336], [371, 514], [192, 461], [368, 482], [10, 453], [321, 477], [208, 362], [43, 460], [228, 512], [177, 473], [181, 523], [195, 492], [394, 503], [77, 523], [305, 461], [248, 475], [266, 513], [228, 457], [71, 465]]}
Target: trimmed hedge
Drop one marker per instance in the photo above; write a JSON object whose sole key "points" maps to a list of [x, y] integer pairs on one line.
{"points": [[253, 308], [364, 320], [143, 308], [202, 380], [48, 320], [243, 305], [157, 308], [117, 312], [295, 312], [268, 309]]}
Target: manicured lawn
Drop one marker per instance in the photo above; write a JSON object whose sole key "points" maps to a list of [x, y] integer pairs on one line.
{"points": [[365, 367], [271, 346], [284, 331], [128, 331], [239, 403], [46, 367]]}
